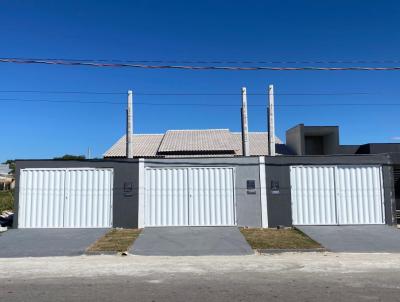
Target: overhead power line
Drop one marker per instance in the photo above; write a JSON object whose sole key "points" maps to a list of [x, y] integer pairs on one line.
{"points": [[225, 61], [64, 62], [61, 92], [183, 93], [106, 102]]}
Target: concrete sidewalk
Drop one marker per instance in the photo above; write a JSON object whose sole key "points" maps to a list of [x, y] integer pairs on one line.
{"points": [[47, 242], [191, 241], [356, 238]]}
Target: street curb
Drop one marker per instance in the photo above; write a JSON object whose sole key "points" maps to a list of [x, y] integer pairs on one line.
{"points": [[277, 251], [89, 253]]}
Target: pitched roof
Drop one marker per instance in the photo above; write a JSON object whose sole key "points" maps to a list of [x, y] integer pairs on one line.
{"points": [[258, 142], [212, 142], [145, 145], [197, 140]]}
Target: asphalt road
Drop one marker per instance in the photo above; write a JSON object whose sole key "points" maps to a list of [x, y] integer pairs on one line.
{"points": [[289, 277]]}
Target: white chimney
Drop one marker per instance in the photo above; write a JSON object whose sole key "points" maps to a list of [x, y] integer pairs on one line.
{"points": [[271, 121], [245, 125], [129, 128]]}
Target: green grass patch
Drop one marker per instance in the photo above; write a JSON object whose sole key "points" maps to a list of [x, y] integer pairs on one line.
{"points": [[6, 201], [116, 240], [278, 239]]}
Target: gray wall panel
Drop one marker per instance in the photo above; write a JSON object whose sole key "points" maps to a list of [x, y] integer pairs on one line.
{"points": [[279, 205], [389, 196]]}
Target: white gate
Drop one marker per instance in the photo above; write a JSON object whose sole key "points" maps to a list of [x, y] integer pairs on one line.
{"points": [[189, 196], [166, 197], [359, 195], [326, 195], [65, 198], [313, 195]]}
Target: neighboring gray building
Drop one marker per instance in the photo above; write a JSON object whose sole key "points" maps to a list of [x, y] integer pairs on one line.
{"points": [[324, 140]]}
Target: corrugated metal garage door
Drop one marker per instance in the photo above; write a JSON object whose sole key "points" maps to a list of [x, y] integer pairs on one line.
{"points": [[313, 195], [189, 196], [41, 198], [69, 198], [325, 195], [166, 197], [359, 195], [211, 196]]}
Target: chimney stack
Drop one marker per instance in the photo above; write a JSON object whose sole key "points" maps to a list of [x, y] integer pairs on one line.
{"points": [[129, 130], [271, 121], [245, 125]]}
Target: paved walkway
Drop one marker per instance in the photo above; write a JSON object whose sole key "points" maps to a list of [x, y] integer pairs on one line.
{"points": [[191, 241], [356, 239], [47, 242]]}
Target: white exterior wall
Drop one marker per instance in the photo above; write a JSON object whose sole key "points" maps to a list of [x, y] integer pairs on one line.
{"points": [[69, 198]]}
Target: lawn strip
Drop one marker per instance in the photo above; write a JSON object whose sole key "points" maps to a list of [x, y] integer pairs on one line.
{"points": [[116, 240], [275, 239]]}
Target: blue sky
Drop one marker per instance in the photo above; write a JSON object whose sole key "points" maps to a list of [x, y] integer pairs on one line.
{"points": [[185, 30]]}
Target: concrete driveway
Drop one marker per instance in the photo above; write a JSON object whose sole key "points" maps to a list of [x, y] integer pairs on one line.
{"points": [[356, 239], [191, 241], [47, 242]]}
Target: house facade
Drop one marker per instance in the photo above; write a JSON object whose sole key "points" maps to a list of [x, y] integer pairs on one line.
{"points": [[214, 177]]}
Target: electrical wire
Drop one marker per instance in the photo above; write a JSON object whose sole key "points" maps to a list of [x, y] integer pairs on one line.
{"points": [[196, 104], [62, 92], [183, 93], [190, 67], [225, 61]]}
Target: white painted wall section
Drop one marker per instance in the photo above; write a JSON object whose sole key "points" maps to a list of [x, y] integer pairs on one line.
{"points": [[142, 193], [263, 193]]}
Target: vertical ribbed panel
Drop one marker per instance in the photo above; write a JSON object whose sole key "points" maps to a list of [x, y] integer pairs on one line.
{"points": [[88, 198], [337, 195], [41, 198], [72, 198], [313, 195], [166, 201], [211, 200], [189, 196], [359, 197]]}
